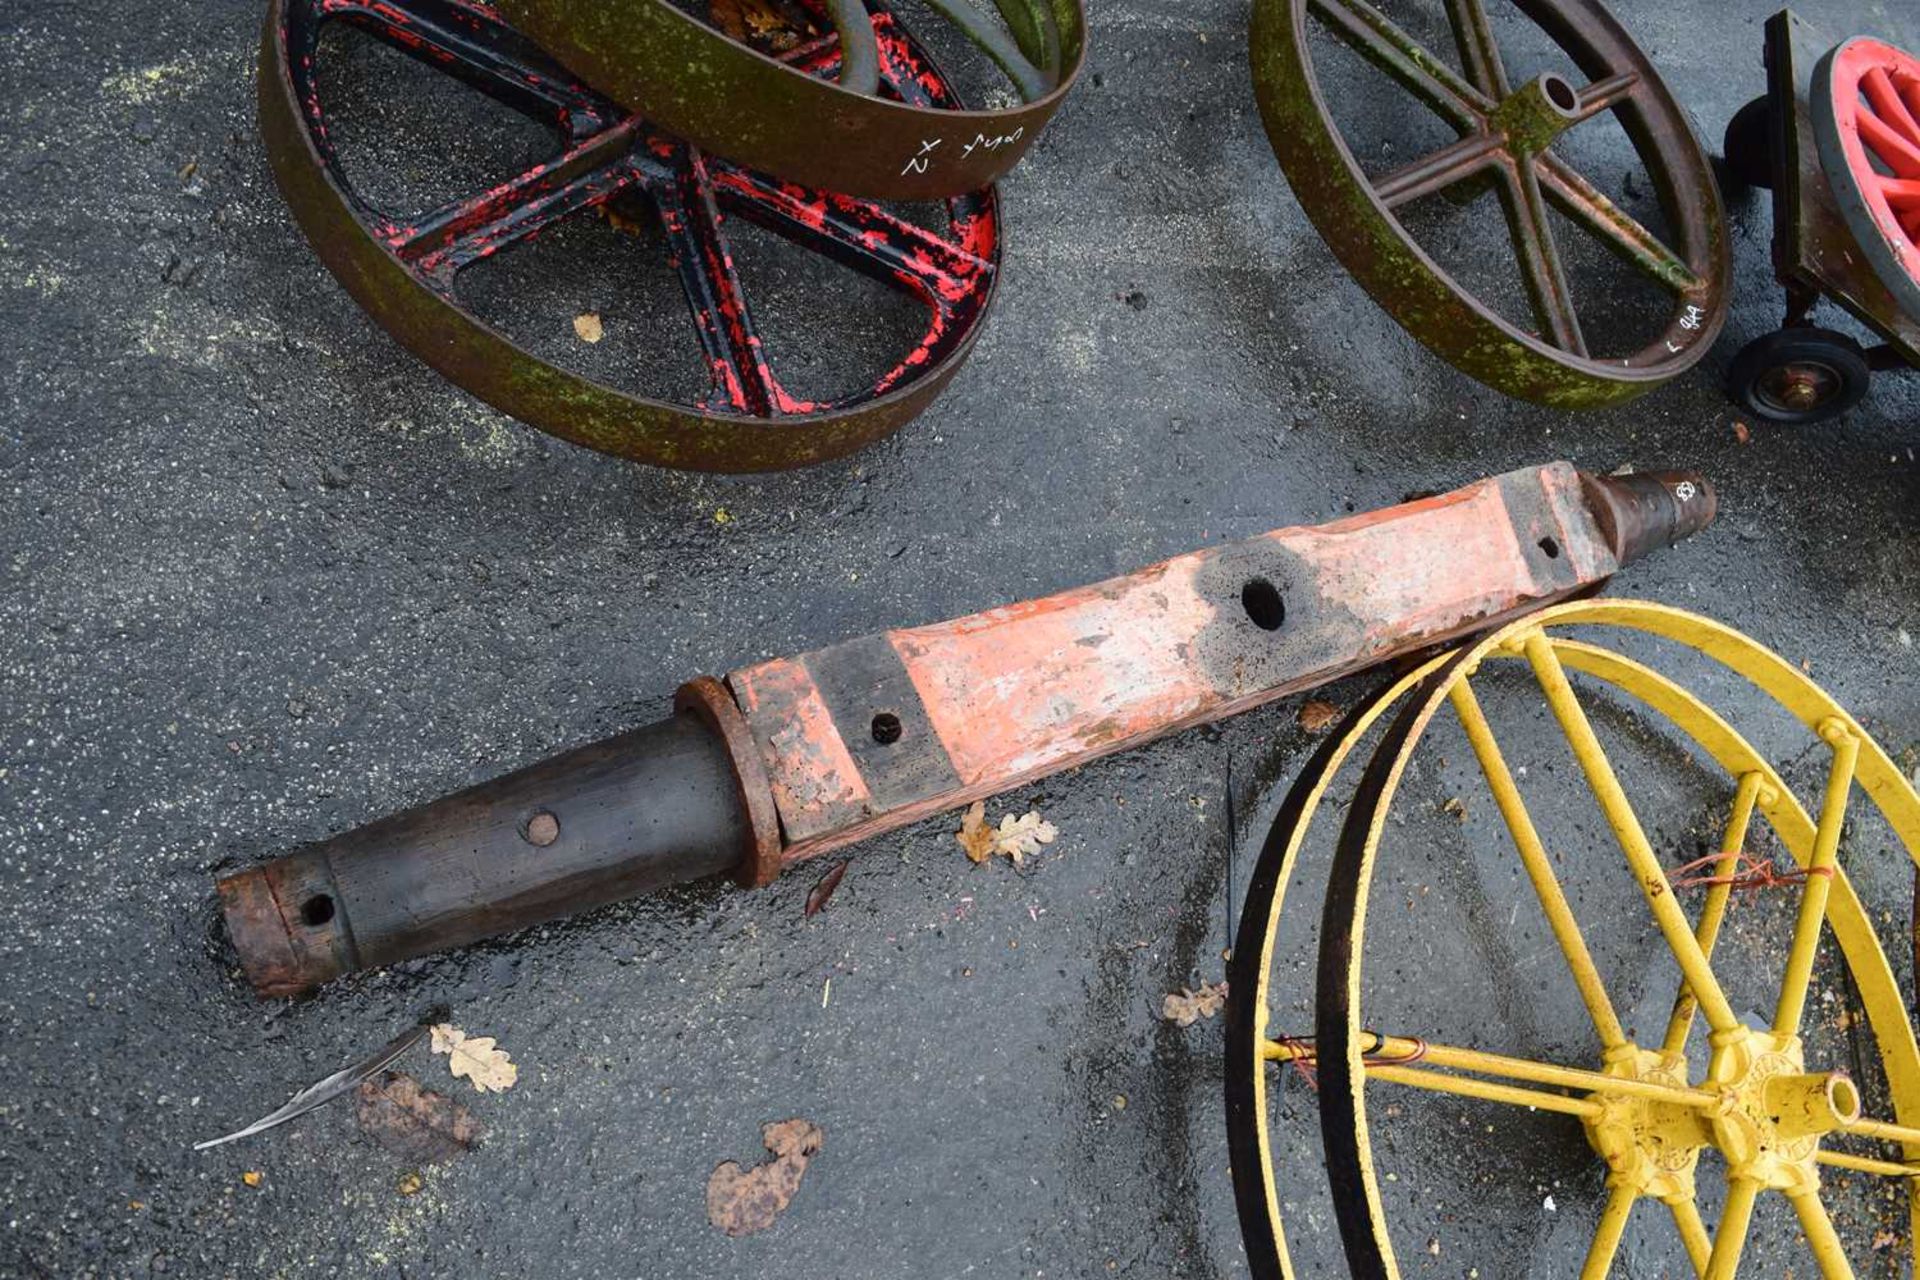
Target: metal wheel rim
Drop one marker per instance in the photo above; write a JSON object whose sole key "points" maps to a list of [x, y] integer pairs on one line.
{"points": [[1341, 1043], [735, 101], [1889, 244], [1360, 227], [956, 277]]}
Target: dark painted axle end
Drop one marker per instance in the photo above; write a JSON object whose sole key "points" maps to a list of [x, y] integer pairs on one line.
{"points": [[1642, 512]]}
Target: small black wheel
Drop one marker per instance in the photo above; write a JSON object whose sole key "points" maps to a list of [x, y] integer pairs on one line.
{"points": [[1797, 376], [1748, 144]]}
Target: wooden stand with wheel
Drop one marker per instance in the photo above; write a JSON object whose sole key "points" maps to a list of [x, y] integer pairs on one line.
{"points": [[1836, 138]]}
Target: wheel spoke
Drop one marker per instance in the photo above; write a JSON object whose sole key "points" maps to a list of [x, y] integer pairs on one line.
{"points": [[1886, 103], [1467, 1087], [1396, 1051], [1606, 1238], [856, 233], [1540, 267], [1479, 51], [995, 41], [1375, 37], [1580, 200], [1901, 156], [1693, 1233], [1866, 1164], [443, 241], [1539, 868], [1821, 1237], [1626, 828], [1605, 95], [1714, 910], [1821, 868], [1451, 164], [859, 51], [743, 382], [474, 46], [1736, 1218]]}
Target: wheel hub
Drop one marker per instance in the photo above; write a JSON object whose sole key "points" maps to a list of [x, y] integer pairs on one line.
{"points": [[1766, 1119]]}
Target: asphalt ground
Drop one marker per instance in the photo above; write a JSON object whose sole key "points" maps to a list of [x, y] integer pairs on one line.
{"points": [[267, 577]]}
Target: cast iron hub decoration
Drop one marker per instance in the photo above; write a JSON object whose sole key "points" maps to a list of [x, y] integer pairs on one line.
{"points": [[1707, 1080], [1506, 133], [1866, 122], [845, 134], [403, 266]]}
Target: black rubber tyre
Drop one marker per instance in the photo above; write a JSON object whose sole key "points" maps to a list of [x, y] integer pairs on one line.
{"points": [[1793, 377], [1748, 144]]}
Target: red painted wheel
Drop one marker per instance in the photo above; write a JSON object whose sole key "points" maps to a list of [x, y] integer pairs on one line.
{"points": [[1866, 117], [402, 265]]}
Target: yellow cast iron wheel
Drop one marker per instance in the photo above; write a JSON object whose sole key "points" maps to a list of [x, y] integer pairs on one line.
{"points": [[1771, 1116]]}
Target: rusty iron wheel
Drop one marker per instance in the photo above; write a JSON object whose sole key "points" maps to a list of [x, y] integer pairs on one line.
{"points": [[1505, 136], [1799, 376], [843, 134], [402, 267]]}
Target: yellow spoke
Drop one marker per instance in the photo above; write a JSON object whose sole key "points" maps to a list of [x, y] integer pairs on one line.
{"points": [[1533, 856], [1821, 1237], [1882, 1130], [1468, 1087], [1633, 840], [1396, 1050], [1864, 1164], [1606, 1240], [1714, 910], [1693, 1233], [1819, 882], [1731, 1237]]}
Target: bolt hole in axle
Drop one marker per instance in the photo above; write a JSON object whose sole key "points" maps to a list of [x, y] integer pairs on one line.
{"points": [[1265, 606], [887, 728], [1642, 953], [317, 910]]}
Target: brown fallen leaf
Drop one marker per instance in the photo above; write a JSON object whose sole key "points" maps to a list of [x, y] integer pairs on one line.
{"points": [[588, 328], [253, 1177], [1317, 714], [1186, 1007], [743, 1201], [415, 1123], [726, 15], [975, 836], [409, 1184], [1018, 837], [1740, 431], [476, 1058], [1455, 806], [823, 889]]}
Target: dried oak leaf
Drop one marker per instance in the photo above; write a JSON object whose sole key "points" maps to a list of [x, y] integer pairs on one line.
{"points": [[587, 326], [1317, 714], [975, 835], [743, 1201], [1186, 1007], [727, 16], [476, 1058], [413, 1122], [1018, 837]]}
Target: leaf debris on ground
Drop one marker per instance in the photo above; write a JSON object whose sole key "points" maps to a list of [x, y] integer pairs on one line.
{"points": [[823, 889], [588, 328], [743, 1201], [476, 1057], [1015, 837], [1187, 1006], [1316, 714], [412, 1121]]}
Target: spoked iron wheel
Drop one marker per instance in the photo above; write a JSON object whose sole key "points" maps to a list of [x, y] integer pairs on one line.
{"points": [[1759, 1094], [1505, 136], [851, 131], [402, 266], [1866, 123]]}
